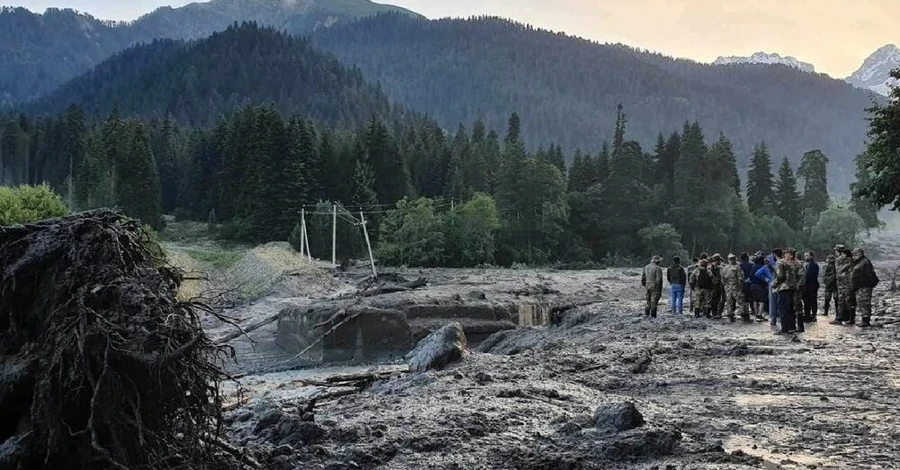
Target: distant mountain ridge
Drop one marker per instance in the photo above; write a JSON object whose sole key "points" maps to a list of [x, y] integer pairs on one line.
{"points": [[198, 82], [874, 74], [39, 52], [768, 59], [566, 89]]}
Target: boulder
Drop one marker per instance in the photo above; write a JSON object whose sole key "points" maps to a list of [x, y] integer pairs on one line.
{"points": [[617, 417], [441, 348]]}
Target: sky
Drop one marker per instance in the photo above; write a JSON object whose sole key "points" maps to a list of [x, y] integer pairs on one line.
{"points": [[835, 35]]}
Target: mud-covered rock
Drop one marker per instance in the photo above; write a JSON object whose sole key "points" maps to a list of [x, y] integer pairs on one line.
{"points": [[440, 349], [617, 417]]}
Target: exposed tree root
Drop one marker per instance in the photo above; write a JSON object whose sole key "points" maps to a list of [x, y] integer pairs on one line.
{"points": [[100, 365]]}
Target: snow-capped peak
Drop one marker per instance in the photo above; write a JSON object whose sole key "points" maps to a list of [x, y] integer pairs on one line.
{"points": [[875, 71], [765, 58]]}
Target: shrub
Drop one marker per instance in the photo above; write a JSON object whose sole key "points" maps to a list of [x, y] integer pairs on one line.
{"points": [[29, 203]]}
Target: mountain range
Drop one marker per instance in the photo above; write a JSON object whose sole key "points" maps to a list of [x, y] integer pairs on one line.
{"points": [[873, 75], [767, 59], [565, 89], [40, 52]]}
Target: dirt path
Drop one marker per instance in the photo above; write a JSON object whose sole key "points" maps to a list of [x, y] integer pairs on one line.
{"points": [[713, 395]]}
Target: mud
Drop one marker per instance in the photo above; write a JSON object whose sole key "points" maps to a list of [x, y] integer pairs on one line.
{"points": [[709, 394]]}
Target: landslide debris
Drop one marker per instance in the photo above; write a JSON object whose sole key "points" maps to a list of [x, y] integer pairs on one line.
{"points": [[100, 366]]}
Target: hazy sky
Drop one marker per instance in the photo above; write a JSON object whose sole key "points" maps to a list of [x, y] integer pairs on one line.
{"points": [[835, 35]]}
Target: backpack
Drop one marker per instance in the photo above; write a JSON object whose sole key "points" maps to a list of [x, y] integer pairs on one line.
{"points": [[704, 279]]}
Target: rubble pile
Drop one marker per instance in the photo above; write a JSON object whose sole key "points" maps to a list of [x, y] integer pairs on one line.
{"points": [[100, 365]]}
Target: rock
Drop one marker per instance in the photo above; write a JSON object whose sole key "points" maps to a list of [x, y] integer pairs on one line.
{"points": [[268, 419], [617, 417], [441, 348], [477, 295], [283, 450]]}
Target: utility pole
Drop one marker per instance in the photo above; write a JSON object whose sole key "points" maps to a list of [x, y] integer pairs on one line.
{"points": [[334, 234], [302, 231], [368, 244]]}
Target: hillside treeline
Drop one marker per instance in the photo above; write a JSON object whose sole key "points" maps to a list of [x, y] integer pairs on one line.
{"points": [[254, 171]]}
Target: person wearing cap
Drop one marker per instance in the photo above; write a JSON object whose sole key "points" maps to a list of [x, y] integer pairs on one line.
{"points": [[677, 280], [830, 281], [701, 281], [717, 300], [652, 280], [787, 282], [733, 286], [845, 300], [811, 288], [690, 271], [862, 280]]}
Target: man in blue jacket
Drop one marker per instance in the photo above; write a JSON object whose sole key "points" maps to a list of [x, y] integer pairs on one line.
{"points": [[811, 288]]}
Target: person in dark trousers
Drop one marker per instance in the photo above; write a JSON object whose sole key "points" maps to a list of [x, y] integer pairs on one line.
{"points": [[652, 280], [677, 278], [695, 263], [774, 312], [830, 279], [747, 308], [787, 282], [863, 280], [811, 288]]}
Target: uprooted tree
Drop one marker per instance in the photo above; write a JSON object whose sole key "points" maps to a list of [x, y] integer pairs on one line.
{"points": [[100, 365]]}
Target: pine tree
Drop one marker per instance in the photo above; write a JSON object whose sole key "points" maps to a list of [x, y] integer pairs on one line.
{"points": [[723, 164], [392, 181], [619, 136], [690, 190], [138, 191], [788, 204], [363, 195], [862, 202], [814, 171], [513, 129], [760, 182]]}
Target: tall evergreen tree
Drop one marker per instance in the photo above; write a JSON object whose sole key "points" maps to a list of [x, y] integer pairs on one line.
{"points": [[619, 135], [513, 129], [689, 195], [814, 171], [864, 203], [761, 182], [723, 164], [138, 191], [788, 204]]}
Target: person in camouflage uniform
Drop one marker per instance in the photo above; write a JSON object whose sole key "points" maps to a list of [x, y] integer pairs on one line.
{"points": [[701, 282], [717, 301], [652, 280], [787, 284], [844, 267], [800, 274], [863, 280], [830, 279], [690, 270], [733, 286]]}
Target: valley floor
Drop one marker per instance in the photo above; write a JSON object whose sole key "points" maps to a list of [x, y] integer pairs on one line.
{"points": [[712, 395]]}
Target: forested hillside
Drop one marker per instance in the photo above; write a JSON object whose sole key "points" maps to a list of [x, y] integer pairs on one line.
{"points": [[199, 82], [431, 197], [566, 88], [39, 52]]}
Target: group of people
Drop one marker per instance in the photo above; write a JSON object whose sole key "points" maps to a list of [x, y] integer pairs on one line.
{"points": [[777, 287]]}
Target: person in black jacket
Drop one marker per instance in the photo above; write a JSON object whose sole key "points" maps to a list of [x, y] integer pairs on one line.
{"points": [[811, 288], [862, 280], [677, 278]]}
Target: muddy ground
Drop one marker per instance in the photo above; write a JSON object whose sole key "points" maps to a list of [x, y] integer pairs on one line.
{"points": [[710, 394]]}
